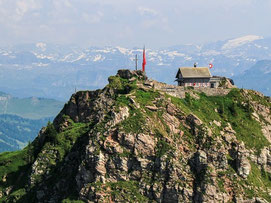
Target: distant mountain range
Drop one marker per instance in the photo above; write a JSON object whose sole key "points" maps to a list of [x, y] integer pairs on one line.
{"points": [[16, 132], [31, 108], [21, 119], [257, 77], [53, 71]]}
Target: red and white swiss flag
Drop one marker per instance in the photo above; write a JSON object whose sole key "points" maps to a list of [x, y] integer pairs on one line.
{"points": [[211, 65]]}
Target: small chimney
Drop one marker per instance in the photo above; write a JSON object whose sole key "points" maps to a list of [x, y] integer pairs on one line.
{"points": [[195, 65]]}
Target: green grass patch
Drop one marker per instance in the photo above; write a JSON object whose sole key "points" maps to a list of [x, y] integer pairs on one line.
{"points": [[122, 100], [135, 123], [64, 141], [121, 85], [14, 168], [12, 161], [146, 97], [162, 147]]}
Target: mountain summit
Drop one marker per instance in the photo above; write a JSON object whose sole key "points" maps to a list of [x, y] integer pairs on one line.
{"points": [[233, 43], [134, 141]]}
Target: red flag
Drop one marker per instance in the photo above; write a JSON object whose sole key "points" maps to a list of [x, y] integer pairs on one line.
{"points": [[210, 65], [144, 60]]}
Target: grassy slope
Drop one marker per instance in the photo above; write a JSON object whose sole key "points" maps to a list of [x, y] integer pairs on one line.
{"points": [[16, 166], [233, 109]]}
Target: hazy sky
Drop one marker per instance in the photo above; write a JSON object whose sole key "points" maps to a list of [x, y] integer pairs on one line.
{"points": [[129, 23]]}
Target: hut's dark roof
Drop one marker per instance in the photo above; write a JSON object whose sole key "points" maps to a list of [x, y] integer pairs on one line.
{"points": [[191, 72]]}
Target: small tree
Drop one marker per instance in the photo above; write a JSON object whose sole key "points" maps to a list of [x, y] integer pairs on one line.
{"points": [[221, 108], [51, 132], [29, 153], [233, 109]]}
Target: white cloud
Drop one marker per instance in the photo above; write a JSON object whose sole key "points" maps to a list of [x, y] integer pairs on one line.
{"points": [[14, 11], [24, 6], [132, 21], [147, 11], [93, 17]]}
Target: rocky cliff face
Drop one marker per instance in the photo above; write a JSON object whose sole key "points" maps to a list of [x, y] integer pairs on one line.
{"points": [[132, 143]]}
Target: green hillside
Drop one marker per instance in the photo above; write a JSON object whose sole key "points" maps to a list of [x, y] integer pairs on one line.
{"points": [[22, 118], [16, 132], [32, 108]]}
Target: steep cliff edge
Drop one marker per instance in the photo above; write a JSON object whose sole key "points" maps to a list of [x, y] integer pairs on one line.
{"points": [[130, 142]]}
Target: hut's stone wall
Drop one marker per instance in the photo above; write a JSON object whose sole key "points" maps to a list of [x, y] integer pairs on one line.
{"points": [[179, 91]]}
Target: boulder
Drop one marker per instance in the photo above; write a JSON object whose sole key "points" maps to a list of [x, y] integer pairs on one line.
{"points": [[144, 145], [243, 165], [128, 74], [121, 115], [152, 108], [125, 73], [193, 120], [199, 161]]}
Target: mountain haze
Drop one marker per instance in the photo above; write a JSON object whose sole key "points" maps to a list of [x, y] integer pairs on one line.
{"points": [[257, 77]]}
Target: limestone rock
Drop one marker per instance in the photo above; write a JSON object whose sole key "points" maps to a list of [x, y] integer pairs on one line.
{"points": [[217, 123], [193, 120], [264, 159], [172, 122], [152, 108], [128, 74], [121, 115], [243, 165], [199, 161], [260, 200], [171, 109], [228, 129], [144, 145]]}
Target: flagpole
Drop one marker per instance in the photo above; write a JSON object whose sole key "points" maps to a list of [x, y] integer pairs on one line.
{"points": [[136, 60]]}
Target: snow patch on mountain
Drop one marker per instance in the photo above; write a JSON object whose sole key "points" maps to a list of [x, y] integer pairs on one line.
{"points": [[98, 58], [41, 45], [240, 41], [124, 51], [188, 58], [5, 53], [106, 50], [66, 57], [40, 64], [42, 56], [210, 53], [152, 53], [173, 54], [79, 58]]}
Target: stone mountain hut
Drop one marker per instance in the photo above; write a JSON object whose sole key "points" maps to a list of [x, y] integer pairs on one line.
{"points": [[196, 77]]}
